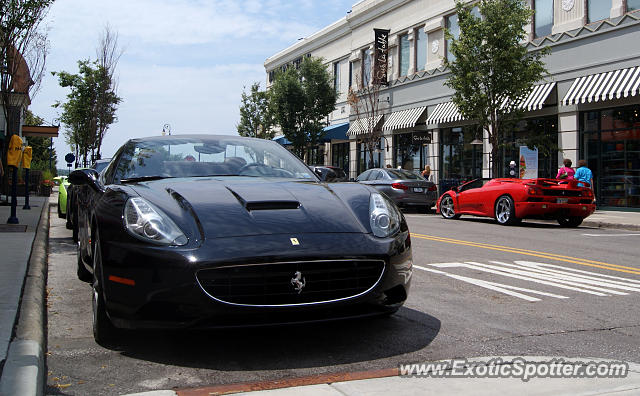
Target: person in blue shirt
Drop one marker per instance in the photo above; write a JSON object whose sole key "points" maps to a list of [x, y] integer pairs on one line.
{"points": [[584, 174]]}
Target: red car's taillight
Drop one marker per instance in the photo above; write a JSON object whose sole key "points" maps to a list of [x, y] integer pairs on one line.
{"points": [[534, 191], [587, 193], [399, 186]]}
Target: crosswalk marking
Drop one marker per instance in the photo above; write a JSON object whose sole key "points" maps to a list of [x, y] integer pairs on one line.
{"points": [[540, 273]]}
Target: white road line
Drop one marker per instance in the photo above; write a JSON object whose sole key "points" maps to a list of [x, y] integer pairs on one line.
{"points": [[610, 235], [592, 275], [488, 285], [515, 274]]}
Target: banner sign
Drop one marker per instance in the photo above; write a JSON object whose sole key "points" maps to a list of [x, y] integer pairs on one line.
{"points": [[528, 163], [421, 138], [380, 56]]}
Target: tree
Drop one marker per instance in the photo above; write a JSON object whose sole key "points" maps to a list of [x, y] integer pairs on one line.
{"points": [[89, 109], [365, 103], [107, 100], [492, 71], [301, 98], [256, 119]]}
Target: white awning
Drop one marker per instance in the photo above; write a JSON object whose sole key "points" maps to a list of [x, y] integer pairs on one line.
{"points": [[403, 119], [363, 125], [536, 98], [604, 86], [443, 113], [448, 112]]}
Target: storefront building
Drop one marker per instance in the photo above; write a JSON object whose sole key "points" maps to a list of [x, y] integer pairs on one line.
{"points": [[588, 105]]}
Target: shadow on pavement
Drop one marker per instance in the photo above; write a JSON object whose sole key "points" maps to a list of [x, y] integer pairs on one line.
{"points": [[286, 347]]}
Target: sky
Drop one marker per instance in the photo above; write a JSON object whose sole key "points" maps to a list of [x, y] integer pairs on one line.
{"points": [[185, 62]]}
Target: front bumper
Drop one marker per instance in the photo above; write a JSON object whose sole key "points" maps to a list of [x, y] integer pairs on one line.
{"points": [[553, 210], [166, 294]]}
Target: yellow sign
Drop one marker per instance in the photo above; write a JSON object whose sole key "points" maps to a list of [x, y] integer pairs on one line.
{"points": [[26, 157], [15, 151]]}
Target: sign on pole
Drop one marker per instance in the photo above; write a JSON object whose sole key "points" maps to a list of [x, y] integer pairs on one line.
{"points": [[528, 163]]}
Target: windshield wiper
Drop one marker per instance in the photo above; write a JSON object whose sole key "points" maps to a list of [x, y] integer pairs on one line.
{"points": [[144, 178]]}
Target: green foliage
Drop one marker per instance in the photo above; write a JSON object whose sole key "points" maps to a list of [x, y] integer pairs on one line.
{"points": [[492, 69], [300, 100], [91, 105], [256, 119]]}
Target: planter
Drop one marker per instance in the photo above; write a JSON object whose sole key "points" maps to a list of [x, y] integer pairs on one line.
{"points": [[45, 191]]}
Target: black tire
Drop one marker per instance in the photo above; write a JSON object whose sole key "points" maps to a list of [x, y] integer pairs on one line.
{"points": [[83, 274], [447, 208], [505, 211], [104, 332], [74, 226], [69, 223], [572, 221]]}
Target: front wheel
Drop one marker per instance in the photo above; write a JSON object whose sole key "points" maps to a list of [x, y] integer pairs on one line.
{"points": [[572, 221], [104, 332], [505, 211], [447, 208]]}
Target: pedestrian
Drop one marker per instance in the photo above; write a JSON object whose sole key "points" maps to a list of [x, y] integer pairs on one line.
{"points": [[566, 172], [584, 174], [426, 173], [388, 165]]}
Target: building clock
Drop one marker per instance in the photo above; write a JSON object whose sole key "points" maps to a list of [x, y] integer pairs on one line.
{"points": [[567, 5]]}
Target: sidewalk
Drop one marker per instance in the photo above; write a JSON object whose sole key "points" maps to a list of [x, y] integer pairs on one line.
{"points": [[22, 305], [16, 242]]}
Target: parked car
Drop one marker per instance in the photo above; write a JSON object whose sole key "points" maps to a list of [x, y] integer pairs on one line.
{"points": [[63, 185], [330, 173], [72, 197], [404, 187], [511, 200], [240, 233]]}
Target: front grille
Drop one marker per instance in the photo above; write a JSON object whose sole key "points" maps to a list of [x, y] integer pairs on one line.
{"points": [[274, 284], [561, 193]]}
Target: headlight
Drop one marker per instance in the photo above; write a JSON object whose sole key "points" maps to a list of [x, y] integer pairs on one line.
{"points": [[383, 216], [149, 224]]}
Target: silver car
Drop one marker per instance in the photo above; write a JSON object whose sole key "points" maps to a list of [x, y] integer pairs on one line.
{"points": [[405, 188]]}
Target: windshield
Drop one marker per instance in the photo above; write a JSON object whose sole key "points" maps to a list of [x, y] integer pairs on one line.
{"points": [[207, 156]]}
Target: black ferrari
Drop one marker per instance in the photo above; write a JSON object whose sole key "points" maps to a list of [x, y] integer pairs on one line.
{"points": [[205, 231]]}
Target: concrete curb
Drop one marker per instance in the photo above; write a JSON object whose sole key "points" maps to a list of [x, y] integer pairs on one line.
{"points": [[604, 224], [23, 372]]}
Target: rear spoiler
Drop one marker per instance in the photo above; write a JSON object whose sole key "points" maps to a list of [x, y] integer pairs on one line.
{"points": [[555, 182]]}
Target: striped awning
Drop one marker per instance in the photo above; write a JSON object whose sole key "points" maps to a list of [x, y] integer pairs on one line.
{"points": [[536, 98], [403, 119], [604, 86], [363, 125], [443, 113]]}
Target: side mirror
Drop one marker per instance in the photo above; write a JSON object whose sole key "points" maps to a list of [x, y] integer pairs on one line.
{"points": [[85, 176], [322, 175]]}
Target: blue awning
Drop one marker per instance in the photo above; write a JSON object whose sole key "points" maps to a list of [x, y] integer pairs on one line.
{"points": [[282, 140], [337, 132], [332, 132]]}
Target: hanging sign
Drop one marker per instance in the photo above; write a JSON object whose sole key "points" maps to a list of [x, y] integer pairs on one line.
{"points": [[381, 56], [421, 138]]}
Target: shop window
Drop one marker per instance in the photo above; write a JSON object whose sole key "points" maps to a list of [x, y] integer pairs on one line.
{"points": [[340, 156], [366, 67], [543, 17], [350, 74], [405, 50], [633, 5], [460, 160], [421, 49], [598, 10], [365, 161], [454, 30], [612, 151]]}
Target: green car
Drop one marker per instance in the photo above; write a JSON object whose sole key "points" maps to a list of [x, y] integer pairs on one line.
{"points": [[63, 186]]}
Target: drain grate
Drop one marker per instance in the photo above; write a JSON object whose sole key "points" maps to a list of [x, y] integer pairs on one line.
{"points": [[13, 228]]}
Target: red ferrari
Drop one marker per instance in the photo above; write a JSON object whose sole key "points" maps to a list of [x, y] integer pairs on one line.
{"points": [[511, 200]]}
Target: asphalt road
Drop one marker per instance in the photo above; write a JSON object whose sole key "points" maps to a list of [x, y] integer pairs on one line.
{"points": [[479, 289]]}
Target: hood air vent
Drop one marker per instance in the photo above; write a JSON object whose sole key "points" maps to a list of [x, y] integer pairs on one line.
{"points": [[272, 205]]}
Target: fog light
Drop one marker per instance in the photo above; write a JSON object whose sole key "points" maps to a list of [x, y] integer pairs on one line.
{"points": [[544, 206]]}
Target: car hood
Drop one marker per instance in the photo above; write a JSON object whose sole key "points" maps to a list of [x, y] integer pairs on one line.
{"points": [[241, 207]]}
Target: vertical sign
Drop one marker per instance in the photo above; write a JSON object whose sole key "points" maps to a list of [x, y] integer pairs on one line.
{"points": [[528, 163], [380, 56]]}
